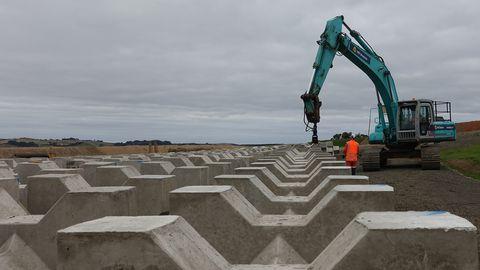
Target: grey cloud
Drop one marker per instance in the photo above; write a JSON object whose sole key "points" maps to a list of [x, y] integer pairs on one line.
{"points": [[219, 71]]}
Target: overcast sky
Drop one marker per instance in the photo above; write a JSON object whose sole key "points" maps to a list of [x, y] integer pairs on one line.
{"points": [[218, 70]]}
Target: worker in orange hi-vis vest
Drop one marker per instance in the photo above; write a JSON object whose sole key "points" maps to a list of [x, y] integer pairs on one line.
{"points": [[351, 151]]}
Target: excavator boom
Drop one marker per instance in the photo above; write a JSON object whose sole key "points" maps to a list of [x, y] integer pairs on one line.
{"points": [[332, 42]]}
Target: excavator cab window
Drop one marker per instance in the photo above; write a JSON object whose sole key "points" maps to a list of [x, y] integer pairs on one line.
{"points": [[407, 117], [425, 118]]}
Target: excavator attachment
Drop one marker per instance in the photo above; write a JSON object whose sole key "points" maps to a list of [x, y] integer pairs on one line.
{"points": [[312, 116]]}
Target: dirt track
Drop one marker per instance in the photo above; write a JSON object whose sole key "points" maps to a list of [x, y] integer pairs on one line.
{"points": [[418, 190]]}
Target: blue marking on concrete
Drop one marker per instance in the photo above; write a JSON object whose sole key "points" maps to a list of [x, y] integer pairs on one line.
{"points": [[431, 213]]}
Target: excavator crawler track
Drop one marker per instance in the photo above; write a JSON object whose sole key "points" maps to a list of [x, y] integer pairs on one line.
{"points": [[430, 157], [371, 160]]}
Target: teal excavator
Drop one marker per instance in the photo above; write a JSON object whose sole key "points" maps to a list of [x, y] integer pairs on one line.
{"points": [[405, 129]]}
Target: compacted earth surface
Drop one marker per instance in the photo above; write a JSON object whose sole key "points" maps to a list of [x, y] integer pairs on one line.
{"points": [[442, 190]]}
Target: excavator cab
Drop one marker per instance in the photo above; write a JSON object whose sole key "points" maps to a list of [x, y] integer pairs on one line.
{"points": [[420, 124], [424, 121]]}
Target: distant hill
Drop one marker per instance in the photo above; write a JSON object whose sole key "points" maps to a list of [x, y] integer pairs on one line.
{"points": [[143, 142], [72, 142], [65, 142], [468, 126]]}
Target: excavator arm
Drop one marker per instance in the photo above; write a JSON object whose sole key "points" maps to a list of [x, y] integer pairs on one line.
{"points": [[332, 42]]}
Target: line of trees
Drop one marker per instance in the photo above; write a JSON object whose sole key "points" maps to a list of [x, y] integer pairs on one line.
{"points": [[345, 135], [22, 144], [340, 139]]}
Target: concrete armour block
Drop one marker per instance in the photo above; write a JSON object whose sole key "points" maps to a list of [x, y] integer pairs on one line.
{"points": [[39, 231], [9, 207], [307, 168], [23, 195], [213, 156], [237, 162], [140, 157], [191, 175], [137, 164], [115, 160], [157, 168], [44, 190], [114, 175], [78, 162], [319, 173], [10, 162], [90, 170], [240, 233], [402, 241], [266, 202], [176, 161], [214, 168], [26, 169], [200, 160], [226, 155], [153, 193], [152, 190], [60, 161], [11, 186], [289, 188], [16, 255], [163, 243], [6, 172], [287, 165], [61, 171]]}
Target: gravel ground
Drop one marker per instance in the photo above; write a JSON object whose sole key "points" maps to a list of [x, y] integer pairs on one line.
{"points": [[419, 190]]}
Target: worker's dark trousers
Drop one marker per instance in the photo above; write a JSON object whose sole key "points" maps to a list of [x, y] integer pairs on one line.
{"points": [[353, 165]]}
